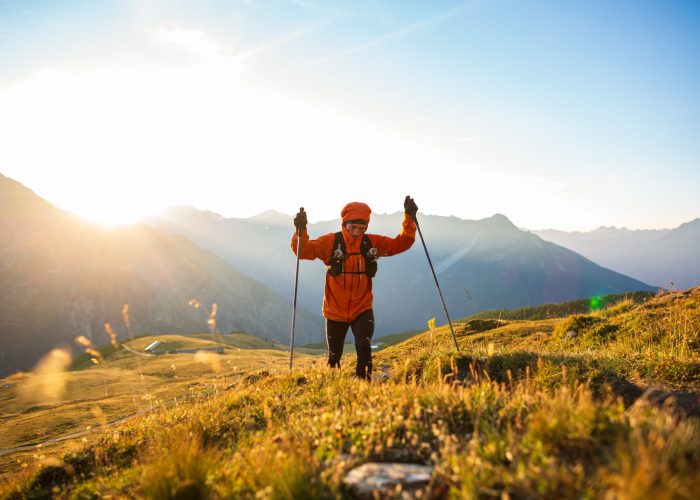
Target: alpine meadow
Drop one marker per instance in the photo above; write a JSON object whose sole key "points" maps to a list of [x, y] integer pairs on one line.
{"points": [[601, 403], [305, 249]]}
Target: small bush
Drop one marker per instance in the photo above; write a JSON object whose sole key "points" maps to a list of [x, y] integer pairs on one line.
{"points": [[181, 470], [600, 333], [576, 326]]}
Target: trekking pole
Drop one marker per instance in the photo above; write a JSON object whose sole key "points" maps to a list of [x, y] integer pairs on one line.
{"points": [[294, 306], [437, 285]]}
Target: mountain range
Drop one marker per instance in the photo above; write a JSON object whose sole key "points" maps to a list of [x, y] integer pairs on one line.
{"points": [[482, 264], [665, 257], [62, 277]]}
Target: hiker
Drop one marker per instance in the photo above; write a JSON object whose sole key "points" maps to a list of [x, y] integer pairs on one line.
{"points": [[351, 257]]}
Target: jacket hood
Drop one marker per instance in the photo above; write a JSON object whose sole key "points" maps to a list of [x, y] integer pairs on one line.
{"points": [[355, 210]]}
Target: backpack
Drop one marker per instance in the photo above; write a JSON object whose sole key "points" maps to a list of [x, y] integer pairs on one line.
{"points": [[338, 256]]}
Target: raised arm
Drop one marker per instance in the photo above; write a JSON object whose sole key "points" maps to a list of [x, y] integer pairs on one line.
{"points": [[391, 246], [310, 249], [387, 246], [313, 249]]}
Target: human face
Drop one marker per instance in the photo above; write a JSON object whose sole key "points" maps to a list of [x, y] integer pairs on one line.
{"points": [[355, 229]]}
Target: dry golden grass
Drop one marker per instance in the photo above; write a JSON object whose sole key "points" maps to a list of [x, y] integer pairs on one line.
{"points": [[52, 402], [524, 411], [295, 435]]}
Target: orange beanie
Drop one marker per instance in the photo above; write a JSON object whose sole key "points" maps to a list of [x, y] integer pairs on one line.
{"points": [[354, 211]]}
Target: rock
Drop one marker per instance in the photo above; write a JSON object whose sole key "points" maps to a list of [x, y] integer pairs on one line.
{"points": [[382, 374], [366, 480], [571, 334]]}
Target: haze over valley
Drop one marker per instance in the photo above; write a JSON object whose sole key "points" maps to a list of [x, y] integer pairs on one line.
{"points": [[63, 277], [485, 264]]}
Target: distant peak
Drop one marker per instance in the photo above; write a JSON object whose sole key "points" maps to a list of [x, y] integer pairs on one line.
{"points": [[190, 210], [271, 217], [499, 220], [271, 212], [695, 223], [609, 230]]}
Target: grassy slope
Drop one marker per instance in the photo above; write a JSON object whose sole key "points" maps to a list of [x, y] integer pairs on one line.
{"points": [[545, 311], [656, 341], [528, 408], [124, 384], [581, 306]]}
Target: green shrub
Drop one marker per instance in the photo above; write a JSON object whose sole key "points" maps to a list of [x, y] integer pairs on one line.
{"points": [[576, 326], [180, 469]]}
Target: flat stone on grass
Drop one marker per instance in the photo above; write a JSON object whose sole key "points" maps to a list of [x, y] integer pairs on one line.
{"points": [[367, 479]]}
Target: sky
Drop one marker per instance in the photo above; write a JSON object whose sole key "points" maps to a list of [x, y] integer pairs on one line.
{"points": [[566, 115]]}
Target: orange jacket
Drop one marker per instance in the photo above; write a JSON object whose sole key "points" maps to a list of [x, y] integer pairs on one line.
{"points": [[348, 295]]}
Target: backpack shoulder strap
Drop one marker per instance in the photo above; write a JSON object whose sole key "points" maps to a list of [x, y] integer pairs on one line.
{"points": [[366, 244], [334, 264], [338, 242], [370, 258]]}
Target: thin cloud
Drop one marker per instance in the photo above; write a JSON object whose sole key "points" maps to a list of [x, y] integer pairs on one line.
{"points": [[193, 41], [201, 44], [318, 7], [287, 38], [403, 31], [364, 9]]}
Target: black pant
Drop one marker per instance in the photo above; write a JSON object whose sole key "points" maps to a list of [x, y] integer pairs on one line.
{"points": [[362, 329]]}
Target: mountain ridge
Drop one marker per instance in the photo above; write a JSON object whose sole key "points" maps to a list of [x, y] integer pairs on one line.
{"points": [[662, 256], [500, 265], [62, 277]]}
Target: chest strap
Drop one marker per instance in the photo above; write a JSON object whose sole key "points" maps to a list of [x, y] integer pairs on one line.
{"points": [[336, 264]]}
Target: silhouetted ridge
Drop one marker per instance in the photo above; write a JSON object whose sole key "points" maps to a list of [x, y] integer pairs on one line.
{"points": [[481, 264], [500, 221], [655, 256], [692, 225], [63, 277], [271, 217]]}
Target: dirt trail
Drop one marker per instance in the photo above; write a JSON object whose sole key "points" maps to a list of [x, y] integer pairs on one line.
{"points": [[33, 446]]}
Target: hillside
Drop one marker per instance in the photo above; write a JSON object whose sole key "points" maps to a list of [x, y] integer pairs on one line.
{"points": [[652, 342], [62, 399], [597, 405], [483, 264], [582, 306], [62, 277], [659, 257]]}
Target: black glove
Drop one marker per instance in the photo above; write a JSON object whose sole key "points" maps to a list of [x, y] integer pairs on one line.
{"points": [[410, 207], [300, 220]]}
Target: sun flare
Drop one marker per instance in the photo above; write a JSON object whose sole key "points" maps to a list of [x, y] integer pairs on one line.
{"points": [[113, 218]]}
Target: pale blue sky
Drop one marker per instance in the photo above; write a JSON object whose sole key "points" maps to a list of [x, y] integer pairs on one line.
{"points": [[557, 114]]}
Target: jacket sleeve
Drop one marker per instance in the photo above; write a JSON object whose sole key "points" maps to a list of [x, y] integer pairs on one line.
{"points": [[313, 249], [391, 246]]}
